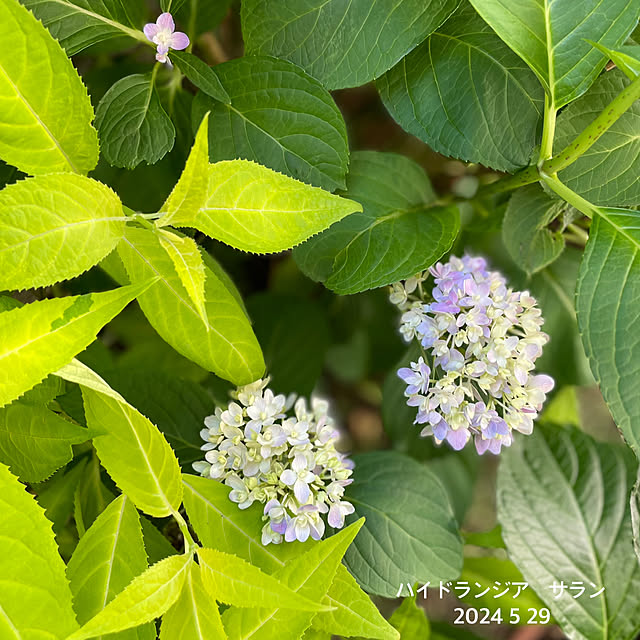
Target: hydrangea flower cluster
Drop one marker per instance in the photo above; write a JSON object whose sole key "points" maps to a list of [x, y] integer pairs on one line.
{"points": [[479, 340], [287, 462]]}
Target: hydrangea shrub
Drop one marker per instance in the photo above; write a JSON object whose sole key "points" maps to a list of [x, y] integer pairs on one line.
{"points": [[315, 313]]}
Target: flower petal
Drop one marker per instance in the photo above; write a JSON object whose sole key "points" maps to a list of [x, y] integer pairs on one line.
{"points": [[150, 30], [165, 22]]}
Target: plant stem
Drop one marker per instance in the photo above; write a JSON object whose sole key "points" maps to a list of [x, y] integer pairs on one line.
{"points": [[189, 543], [548, 131], [578, 232], [569, 196], [610, 114]]}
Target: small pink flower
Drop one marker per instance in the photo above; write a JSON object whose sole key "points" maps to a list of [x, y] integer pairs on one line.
{"points": [[163, 34]]}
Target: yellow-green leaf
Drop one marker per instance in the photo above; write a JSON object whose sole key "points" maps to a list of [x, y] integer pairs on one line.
{"points": [[259, 210], [147, 597], [41, 337], [54, 228], [46, 114], [186, 258], [35, 600]]}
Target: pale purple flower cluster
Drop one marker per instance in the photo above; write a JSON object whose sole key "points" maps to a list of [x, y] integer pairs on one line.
{"points": [[289, 463], [479, 340], [163, 34]]}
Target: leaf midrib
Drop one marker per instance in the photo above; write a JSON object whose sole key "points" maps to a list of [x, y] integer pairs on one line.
{"points": [[39, 121]]}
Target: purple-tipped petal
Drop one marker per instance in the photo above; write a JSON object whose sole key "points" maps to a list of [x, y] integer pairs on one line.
{"points": [[440, 430], [279, 527], [458, 438], [165, 21], [150, 30], [179, 41], [481, 445]]}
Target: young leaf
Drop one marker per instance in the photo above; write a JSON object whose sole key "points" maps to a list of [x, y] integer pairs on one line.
{"points": [[54, 228], [309, 575], [410, 620], [45, 123], [178, 407], [408, 536], [35, 442], [397, 234], [343, 45], [106, 560], [35, 599], [233, 581], [491, 118], [626, 59], [225, 343], [559, 481], [285, 120], [132, 124], [255, 209], [41, 337], [201, 74], [78, 24], [186, 258], [355, 615], [195, 615], [221, 525], [606, 173], [524, 228], [190, 194], [135, 453], [551, 36], [146, 598], [610, 274]]}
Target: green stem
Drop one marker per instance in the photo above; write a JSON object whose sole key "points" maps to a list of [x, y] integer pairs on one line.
{"points": [[610, 114], [189, 544], [548, 131], [579, 232], [139, 217], [570, 196]]}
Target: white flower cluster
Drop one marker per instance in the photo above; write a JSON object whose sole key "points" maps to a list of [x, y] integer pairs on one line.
{"points": [[287, 462], [479, 340]]}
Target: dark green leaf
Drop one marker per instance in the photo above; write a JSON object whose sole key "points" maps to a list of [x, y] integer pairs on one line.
{"points": [[77, 24], [343, 44], [132, 125], [397, 235], [606, 173], [524, 228], [467, 95], [201, 74], [410, 535], [552, 37], [294, 351], [283, 119], [563, 502], [607, 297]]}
